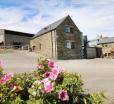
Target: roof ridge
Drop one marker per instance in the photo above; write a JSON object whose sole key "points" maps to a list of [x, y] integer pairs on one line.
{"points": [[56, 21], [50, 27]]}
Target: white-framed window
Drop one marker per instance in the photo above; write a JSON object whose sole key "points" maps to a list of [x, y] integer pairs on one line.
{"points": [[70, 44]]}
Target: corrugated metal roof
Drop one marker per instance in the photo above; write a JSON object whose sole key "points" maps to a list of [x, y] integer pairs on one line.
{"points": [[106, 40], [50, 27], [13, 32], [18, 33]]}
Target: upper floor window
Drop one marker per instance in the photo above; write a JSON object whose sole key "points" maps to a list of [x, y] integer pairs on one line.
{"points": [[68, 29]]}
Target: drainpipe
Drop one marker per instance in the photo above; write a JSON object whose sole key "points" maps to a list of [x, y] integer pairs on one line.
{"points": [[55, 37], [52, 42]]}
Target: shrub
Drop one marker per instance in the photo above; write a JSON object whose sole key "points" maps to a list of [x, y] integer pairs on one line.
{"points": [[49, 84]]}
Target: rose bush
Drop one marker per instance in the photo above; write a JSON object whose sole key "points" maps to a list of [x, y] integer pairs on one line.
{"points": [[49, 84]]}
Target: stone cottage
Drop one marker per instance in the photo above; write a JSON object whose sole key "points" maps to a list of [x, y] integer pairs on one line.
{"points": [[107, 45], [59, 40], [14, 39]]}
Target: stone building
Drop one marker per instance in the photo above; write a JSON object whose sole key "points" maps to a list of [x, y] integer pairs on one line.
{"points": [[107, 45], [9, 38], [59, 40]]}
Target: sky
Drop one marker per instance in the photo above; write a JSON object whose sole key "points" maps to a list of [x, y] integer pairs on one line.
{"points": [[92, 17]]}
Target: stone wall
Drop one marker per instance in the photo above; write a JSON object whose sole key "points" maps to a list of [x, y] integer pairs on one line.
{"points": [[45, 45], [62, 51]]}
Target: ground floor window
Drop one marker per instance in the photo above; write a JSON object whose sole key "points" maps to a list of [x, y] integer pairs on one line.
{"points": [[70, 44]]}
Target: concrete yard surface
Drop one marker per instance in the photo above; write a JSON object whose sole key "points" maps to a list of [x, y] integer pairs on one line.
{"points": [[97, 74]]}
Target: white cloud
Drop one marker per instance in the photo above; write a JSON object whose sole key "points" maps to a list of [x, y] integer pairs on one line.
{"points": [[92, 17], [10, 15]]}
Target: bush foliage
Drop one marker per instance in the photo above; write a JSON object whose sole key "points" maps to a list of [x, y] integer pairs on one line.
{"points": [[49, 84]]}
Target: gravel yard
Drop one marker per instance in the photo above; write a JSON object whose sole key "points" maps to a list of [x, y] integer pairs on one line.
{"points": [[97, 74]]}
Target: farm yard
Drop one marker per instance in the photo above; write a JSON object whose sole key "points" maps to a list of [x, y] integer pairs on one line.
{"points": [[97, 74]]}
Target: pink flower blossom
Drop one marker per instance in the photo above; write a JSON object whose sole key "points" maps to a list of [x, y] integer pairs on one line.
{"points": [[46, 74], [45, 80], [63, 95], [56, 70], [52, 75], [48, 87], [6, 78], [51, 63]]}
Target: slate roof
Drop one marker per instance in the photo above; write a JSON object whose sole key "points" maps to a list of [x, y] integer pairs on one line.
{"points": [[106, 40], [50, 27]]}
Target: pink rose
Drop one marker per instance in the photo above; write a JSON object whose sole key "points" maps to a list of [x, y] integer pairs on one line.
{"points": [[6, 78], [63, 95]]}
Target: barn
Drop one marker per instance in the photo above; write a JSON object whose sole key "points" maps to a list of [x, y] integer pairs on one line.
{"points": [[14, 39]]}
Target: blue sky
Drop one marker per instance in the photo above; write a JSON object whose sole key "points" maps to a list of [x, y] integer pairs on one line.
{"points": [[93, 17]]}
